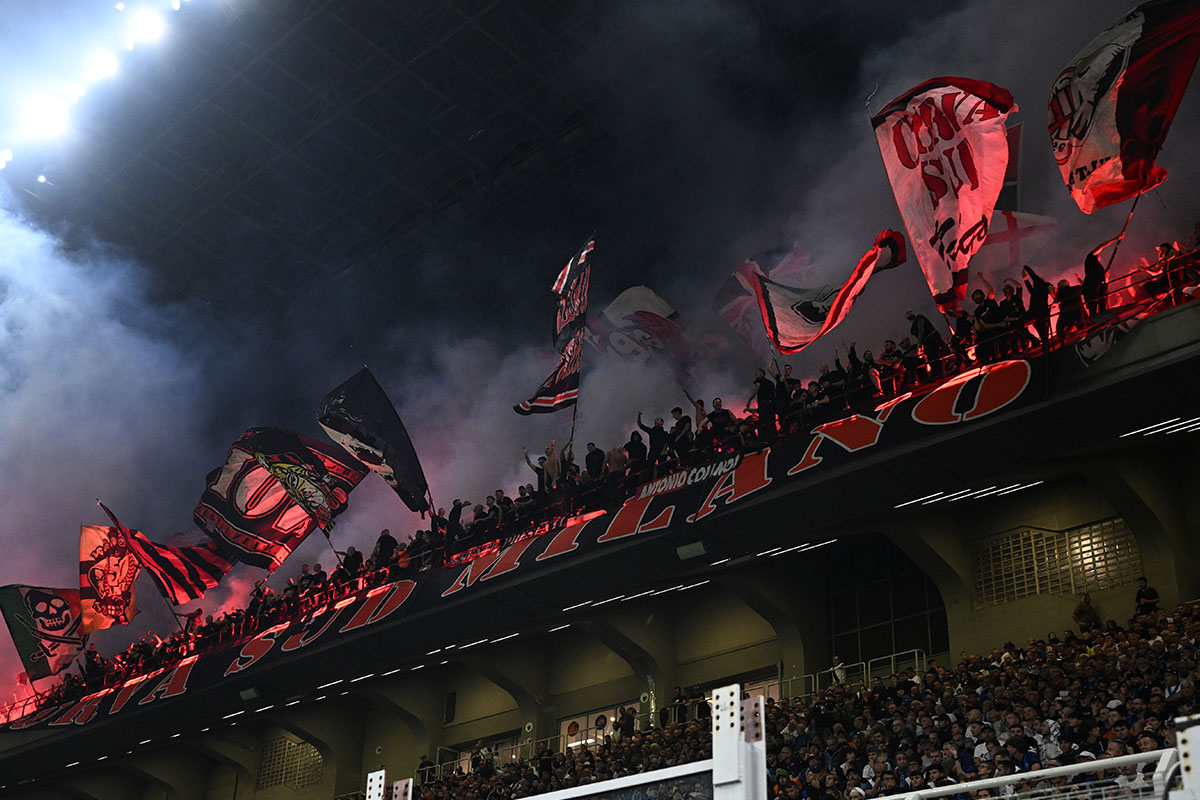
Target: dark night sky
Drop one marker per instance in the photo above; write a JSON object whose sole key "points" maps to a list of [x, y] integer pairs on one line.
{"points": [[233, 226]]}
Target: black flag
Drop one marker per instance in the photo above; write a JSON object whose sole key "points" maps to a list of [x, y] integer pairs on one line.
{"points": [[359, 416]]}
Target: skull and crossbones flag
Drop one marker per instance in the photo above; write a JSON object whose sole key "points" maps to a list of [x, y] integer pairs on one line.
{"points": [[45, 626], [108, 570]]}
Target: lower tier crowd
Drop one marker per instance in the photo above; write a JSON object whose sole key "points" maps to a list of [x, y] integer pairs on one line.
{"points": [[1070, 700]]}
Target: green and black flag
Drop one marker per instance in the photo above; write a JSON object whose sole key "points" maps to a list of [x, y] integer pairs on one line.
{"points": [[45, 627]]}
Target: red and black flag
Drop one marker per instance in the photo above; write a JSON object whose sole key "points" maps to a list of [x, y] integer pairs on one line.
{"points": [[561, 389], [275, 488], [796, 317], [108, 570], [945, 147], [182, 574], [1111, 108], [359, 416], [571, 286], [45, 626]]}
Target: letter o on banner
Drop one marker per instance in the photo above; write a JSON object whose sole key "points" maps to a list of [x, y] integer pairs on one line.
{"points": [[998, 385]]}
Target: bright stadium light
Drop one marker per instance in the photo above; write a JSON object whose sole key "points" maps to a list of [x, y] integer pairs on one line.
{"points": [[41, 178], [44, 117], [146, 26], [101, 66], [6, 155], [76, 91]]}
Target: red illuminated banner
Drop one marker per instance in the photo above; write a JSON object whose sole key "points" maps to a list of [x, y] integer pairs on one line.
{"points": [[668, 503]]}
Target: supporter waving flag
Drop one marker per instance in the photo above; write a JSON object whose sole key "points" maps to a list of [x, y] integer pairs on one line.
{"points": [[275, 488], [1111, 108], [945, 148], [359, 416], [108, 571], [795, 317]]}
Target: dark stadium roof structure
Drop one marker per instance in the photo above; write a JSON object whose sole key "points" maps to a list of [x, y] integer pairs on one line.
{"points": [[275, 147]]}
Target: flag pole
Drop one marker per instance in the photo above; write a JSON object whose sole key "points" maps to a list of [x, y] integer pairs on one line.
{"points": [[1132, 208], [125, 537]]}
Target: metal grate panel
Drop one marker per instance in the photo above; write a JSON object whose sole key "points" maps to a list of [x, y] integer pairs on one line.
{"points": [[1031, 561]]}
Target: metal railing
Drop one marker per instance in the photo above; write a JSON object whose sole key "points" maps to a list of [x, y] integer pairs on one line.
{"points": [[1062, 783]]}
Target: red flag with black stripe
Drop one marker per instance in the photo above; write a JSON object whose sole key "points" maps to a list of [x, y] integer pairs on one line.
{"points": [[561, 389], [182, 574]]}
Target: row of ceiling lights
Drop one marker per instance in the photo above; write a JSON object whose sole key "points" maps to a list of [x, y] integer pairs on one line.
{"points": [[1167, 426], [969, 494]]}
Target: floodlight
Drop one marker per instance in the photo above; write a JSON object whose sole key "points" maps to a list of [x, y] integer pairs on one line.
{"points": [[76, 91], [6, 155], [41, 178], [146, 26], [44, 117], [176, 5], [119, 6], [100, 66]]}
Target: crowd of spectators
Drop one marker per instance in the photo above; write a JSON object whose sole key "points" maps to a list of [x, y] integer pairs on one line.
{"points": [[1070, 699], [779, 404]]}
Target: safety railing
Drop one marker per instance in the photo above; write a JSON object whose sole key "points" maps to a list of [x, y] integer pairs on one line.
{"points": [[1101, 779]]}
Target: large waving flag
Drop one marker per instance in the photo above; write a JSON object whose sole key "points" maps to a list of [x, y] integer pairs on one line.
{"points": [[45, 626], [945, 148], [182, 574], [359, 416], [561, 388], [794, 318], [571, 286], [275, 488], [737, 303], [108, 570], [1111, 108]]}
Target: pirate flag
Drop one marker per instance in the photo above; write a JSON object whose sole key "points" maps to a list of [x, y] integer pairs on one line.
{"points": [[45, 626], [359, 416], [108, 570]]}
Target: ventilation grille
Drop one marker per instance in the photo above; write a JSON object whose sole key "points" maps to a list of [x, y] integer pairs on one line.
{"points": [[286, 762], [1032, 561]]}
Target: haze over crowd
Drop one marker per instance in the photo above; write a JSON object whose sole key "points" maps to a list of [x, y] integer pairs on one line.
{"points": [[107, 393]]}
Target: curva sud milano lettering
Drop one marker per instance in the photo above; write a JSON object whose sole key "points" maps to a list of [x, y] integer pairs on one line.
{"points": [[677, 499]]}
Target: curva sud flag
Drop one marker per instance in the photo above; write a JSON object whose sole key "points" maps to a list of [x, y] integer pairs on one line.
{"points": [[45, 626], [1111, 108], [561, 389], [794, 318], [945, 148], [359, 417], [275, 488], [108, 570]]}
